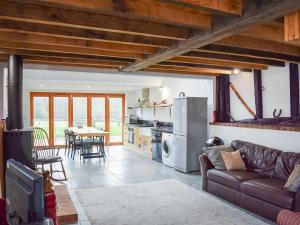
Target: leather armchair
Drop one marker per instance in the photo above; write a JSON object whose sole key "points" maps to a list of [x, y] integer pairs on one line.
{"points": [[205, 166]]}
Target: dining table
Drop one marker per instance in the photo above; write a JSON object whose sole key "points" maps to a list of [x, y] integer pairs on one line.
{"points": [[91, 136]]}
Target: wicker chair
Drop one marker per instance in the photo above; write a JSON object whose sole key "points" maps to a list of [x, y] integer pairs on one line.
{"points": [[45, 154]]}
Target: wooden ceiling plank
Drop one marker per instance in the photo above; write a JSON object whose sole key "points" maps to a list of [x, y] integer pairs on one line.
{"points": [[259, 44], [195, 70], [206, 61], [66, 49], [256, 13], [178, 73], [26, 53], [195, 66], [234, 7], [70, 18], [214, 48], [84, 34], [62, 41], [139, 9], [227, 57]]}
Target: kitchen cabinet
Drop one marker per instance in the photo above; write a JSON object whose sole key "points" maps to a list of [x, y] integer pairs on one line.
{"points": [[145, 143], [142, 139]]}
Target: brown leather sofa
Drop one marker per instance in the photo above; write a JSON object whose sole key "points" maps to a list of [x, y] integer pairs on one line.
{"points": [[260, 188]]}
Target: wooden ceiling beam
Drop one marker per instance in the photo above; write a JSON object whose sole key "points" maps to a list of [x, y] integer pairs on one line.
{"points": [[234, 58], [259, 44], [67, 49], [70, 18], [58, 55], [270, 32], [83, 34], [193, 70], [292, 27], [179, 73], [157, 11], [214, 48], [225, 6], [222, 28], [32, 38], [197, 66], [217, 62]]}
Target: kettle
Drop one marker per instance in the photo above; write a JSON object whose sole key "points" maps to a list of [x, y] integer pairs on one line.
{"points": [[156, 123]]}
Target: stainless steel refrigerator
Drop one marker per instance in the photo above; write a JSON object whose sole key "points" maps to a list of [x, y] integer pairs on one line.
{"points": [[190, 132]]}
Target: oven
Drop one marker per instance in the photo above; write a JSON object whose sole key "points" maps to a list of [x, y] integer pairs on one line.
{"points": [[130, 135]]}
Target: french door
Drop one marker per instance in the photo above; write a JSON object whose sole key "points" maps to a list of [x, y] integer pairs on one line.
{"points": [[55, 112]]}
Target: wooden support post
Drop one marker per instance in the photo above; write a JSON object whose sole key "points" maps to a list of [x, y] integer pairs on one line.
{"points": [[223, 98], [294, 90], [292, 26], [258, 93]]}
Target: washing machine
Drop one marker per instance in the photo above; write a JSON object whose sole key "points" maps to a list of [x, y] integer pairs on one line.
{"points": [[167, 149]]}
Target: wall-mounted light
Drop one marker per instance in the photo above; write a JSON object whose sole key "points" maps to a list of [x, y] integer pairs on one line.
{"points": [[41, 85], [88, 86], [161, 88], [236, 71]]}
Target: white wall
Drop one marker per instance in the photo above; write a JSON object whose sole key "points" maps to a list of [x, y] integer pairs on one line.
{"points": [[171, 87], [276, 95]]}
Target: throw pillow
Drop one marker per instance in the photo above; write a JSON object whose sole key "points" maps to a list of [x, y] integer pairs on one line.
{"points": [[293, 177], [214, 155], [233, 160]]}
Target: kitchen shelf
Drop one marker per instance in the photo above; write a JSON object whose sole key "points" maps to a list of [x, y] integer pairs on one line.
{"points": [[154, 107]]}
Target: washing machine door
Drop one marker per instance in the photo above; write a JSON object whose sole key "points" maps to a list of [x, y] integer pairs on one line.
{"points": [[166, 150]]}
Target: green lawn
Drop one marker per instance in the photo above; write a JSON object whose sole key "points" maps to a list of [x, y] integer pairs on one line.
{"points": [[60, 126]]}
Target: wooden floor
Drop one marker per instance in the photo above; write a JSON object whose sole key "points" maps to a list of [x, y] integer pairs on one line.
{"points": [[66, 211]]}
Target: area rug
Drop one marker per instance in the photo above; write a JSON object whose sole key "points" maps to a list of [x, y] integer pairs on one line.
{"points": [[167, 202]]}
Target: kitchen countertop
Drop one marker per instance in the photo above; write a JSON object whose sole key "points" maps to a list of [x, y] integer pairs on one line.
{"points": [[164, 129]]}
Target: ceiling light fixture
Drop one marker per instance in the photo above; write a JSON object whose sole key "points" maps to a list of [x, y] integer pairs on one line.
{"points": [[236, 71]]}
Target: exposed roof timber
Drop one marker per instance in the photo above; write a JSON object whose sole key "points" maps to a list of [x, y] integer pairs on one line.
{"points": [[180, 73], [157, 11], [193, 70], [213, 48], [59, 55], [67, 49], [218, 62], [32, 38], [255, 43], [196, 66], [227, 57], [70, 18], [225, 6], [257, 12], [84, 34], [272, 32], [292, 27]]}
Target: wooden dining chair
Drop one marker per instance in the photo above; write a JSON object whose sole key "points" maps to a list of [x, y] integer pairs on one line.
{"points": [[45, 154]]}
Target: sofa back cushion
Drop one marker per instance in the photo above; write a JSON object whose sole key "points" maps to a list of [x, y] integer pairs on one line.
{"points": [[285, 164], [257, 158]]}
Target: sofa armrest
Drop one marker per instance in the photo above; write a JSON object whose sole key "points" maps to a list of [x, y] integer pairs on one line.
{"points": [[297, 201], [205, 166]]}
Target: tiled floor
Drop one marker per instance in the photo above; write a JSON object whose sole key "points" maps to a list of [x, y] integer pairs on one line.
{"points": [[122, 166]]}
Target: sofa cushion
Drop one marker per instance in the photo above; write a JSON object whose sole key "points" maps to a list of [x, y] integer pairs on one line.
{"points": [[270, 190], [231, 179], [257, 158], [285, 164]]}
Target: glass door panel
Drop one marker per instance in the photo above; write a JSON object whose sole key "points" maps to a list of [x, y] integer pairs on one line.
{"points": [[116, 119], [61, 119], [79, 111], [98, 112], [41, 113]]}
